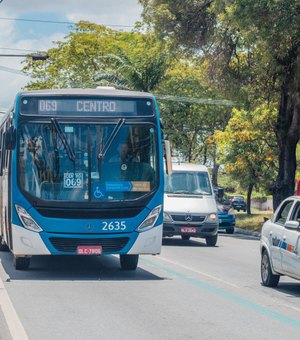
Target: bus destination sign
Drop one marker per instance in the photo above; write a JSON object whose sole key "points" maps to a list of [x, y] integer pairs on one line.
{"points": [[86, 106]]}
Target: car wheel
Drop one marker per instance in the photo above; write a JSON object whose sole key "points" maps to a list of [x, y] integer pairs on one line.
{"points": [[238, 210], [230, 231], [129, 262], [211, 241], [268, 278], [185, 237], [21, 263], [3, 245]]}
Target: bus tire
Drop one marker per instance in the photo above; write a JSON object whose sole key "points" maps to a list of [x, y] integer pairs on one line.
{"points": [[129, 262], [3, 245], [21, 263]]}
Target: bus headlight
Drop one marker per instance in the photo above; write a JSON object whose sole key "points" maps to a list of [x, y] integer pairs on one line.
{"points": [[150, 220], [27, 221]]}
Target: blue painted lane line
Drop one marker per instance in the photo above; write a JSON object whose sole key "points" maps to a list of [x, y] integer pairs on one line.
{"points": [[226, 295]]}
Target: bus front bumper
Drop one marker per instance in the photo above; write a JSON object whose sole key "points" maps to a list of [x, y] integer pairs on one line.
{"points": [[27, 243]]}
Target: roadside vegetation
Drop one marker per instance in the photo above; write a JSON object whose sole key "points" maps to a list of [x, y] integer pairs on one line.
{"points": [[252, 222]]}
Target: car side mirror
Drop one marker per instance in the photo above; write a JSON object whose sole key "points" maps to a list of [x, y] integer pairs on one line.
{"points": [[291, 225]]}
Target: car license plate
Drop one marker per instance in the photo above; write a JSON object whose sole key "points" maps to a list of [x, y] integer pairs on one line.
{"points": [[188, 230], [89, 250]]}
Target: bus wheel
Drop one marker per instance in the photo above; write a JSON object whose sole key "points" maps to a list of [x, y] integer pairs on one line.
{"points": [[21, 263], [129, 262], [3, 245]]}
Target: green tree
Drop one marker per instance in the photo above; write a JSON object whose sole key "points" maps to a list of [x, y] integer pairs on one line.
{"points": [[94, 55], [248, 149], [266, 35], [189, 118]]}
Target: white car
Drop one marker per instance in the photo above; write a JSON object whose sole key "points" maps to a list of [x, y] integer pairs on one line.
{"points": [[280, 243]]}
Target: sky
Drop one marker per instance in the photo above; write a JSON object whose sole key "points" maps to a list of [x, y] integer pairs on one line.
{"points": [[24, 29]]}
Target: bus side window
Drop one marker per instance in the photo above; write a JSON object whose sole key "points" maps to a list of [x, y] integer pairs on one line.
{"points": [[3, 152]]}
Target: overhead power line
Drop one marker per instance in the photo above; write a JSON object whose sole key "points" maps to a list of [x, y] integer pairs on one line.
{"points": [[58, 22], [195, 100], [16, 49], [13, 70]]}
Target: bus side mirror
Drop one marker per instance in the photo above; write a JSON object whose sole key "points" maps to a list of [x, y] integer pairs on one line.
{"points": [[10, 138], [168, 157]]}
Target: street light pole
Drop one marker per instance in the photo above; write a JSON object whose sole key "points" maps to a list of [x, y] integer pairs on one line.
{"points": [[34, 56]]}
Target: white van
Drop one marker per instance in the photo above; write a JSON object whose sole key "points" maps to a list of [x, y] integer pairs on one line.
{"points": [[190, 208]]}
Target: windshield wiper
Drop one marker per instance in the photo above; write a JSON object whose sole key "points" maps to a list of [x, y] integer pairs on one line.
{"points": [[112, 136], [64, 140], [106, 146]]}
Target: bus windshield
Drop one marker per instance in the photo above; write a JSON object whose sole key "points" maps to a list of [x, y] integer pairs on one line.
{"points": [[85, 162], [193, 183]]}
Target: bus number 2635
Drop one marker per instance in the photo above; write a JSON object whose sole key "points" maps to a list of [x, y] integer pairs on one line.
{"points": [[114, 226]]}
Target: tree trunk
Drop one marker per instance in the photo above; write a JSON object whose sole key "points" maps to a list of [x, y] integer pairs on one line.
{"points": [[249, 193], [287, 133], [214, 177]]}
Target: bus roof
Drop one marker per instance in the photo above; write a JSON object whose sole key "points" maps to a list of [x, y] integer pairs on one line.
{"points": [[87, 92]]}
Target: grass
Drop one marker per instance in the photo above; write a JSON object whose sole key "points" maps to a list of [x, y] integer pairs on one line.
{"points": [[251, 222]]}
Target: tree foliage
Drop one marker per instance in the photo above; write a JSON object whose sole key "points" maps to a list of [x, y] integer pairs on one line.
{"points": [[188, 123], [248, 148], [253, 47], [94, 55]]}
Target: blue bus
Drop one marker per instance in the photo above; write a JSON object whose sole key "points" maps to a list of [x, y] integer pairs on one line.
{"points": [[81, 173]]}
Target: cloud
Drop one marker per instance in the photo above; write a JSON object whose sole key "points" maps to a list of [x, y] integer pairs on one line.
{"points": [[107, 12], [16, 40]]}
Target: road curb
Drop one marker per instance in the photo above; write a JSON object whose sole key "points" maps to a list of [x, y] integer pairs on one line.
{"points": [[247, 232]]}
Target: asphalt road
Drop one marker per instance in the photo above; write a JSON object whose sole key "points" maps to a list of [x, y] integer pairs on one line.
{"points": [[190, 291]]}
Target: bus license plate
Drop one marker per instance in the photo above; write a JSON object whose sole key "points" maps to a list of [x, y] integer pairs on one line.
{"points": [[89, 250], [188, 230]]}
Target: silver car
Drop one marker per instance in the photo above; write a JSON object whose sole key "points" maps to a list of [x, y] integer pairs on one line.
{"points": [[279, 244]]}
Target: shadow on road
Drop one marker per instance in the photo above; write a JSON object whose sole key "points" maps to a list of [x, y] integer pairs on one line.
{"points": [[73, 268], [289, 288], [239, 235], [178, 242]]}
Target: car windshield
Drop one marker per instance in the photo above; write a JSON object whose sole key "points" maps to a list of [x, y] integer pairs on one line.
{"points": [[192, 183], [87, 162]]}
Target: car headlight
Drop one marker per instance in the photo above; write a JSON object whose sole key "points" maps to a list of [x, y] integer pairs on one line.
{"points": [[27, 221], [212, 217], [167, 217], [150, 220], [230, 211]]}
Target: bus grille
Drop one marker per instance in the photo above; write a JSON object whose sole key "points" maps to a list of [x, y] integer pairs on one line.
{"points": [[70, 244]]}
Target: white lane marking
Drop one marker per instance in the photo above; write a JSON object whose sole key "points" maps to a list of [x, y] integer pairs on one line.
{"points": [[197, 271], [14, 324], [292, 307]]}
